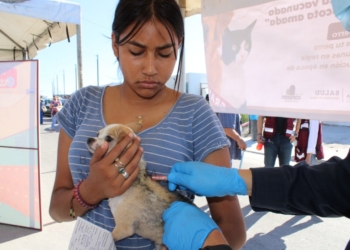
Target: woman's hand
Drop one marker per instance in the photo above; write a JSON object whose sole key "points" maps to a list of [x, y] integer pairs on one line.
{"points": [[241, 144], [104, 181], [293, 138], [259, 139]]}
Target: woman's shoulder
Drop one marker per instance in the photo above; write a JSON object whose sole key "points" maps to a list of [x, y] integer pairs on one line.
{"points": [[88, 92], [191, 105], [85, 98], [191, 98], [90, 88]]}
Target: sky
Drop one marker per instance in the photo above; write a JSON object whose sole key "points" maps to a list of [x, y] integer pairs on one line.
{"points": [[57, 63]]}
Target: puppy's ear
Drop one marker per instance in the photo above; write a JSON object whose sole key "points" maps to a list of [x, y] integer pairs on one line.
{"points": [[135, 126], [121, 133]]}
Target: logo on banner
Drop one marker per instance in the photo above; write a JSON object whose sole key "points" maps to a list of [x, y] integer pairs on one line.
{"points": [[217, 100], [327, 94], [8, 79], [347, 98], [290, 95], [336, 31]]}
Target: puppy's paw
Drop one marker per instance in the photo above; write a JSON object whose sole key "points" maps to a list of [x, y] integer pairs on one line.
{"points": [[161, 247], [120, 233]]}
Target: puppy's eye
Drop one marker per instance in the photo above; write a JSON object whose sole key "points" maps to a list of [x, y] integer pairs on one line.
{"points": [[108, 138], [97, 134]]}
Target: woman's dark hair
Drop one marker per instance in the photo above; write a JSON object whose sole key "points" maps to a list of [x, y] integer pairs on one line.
{"points": [[139, 12]]}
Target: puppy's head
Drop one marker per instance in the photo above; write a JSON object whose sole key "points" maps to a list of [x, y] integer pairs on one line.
{"points": [[112, 134]]}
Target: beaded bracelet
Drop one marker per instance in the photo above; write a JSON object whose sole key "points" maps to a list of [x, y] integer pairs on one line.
{"points": [[71, 211], [80, 200]]}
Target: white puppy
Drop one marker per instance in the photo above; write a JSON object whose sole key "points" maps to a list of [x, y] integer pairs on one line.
{"points": [[139, 210]]}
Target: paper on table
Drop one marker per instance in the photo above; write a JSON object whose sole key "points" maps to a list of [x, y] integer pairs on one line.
{"points": [[89, 236]]}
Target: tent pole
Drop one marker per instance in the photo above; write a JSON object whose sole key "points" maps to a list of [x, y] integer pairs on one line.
{"points": [[79, 58], [182, 87]]}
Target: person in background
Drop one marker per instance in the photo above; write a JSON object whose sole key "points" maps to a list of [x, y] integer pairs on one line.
{"points": [[309, 141], [55, 107], [42, 106], [253, 120], [341, 9], [232, 127], [277, 134]]}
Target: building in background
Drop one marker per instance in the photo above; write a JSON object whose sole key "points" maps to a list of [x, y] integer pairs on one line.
{"points": [[196, 83]]}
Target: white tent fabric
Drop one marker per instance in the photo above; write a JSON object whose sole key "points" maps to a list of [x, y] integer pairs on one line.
{"points": [[32, 25], [191, 7]]}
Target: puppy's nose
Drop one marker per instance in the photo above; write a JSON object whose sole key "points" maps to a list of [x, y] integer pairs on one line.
{"points": [[90, 140]]}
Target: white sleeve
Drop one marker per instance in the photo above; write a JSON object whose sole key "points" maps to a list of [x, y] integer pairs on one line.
{"points": [[313, 133]]}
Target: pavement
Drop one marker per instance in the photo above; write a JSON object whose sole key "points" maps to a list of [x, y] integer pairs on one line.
{"points": [[264, 230]]}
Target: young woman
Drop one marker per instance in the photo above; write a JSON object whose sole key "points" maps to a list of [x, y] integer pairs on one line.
{"points": [[147, 39]]}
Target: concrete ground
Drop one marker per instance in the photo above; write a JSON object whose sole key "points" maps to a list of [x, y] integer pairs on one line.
{"points": [[264, 230]]}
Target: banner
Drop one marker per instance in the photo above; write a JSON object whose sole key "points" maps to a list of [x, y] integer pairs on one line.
{"points": [[288, 58], [19, 144]]}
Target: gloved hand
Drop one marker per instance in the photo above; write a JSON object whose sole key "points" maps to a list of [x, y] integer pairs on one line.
{"points": [[341, 9], [206, 180], [186, 226]]}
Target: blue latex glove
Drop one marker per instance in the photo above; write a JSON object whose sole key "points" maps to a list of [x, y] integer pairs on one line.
{"points": [[206, 180], [186, 226], [341, 9]]}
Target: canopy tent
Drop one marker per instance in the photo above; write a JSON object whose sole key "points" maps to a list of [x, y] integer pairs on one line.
{"points": [[27, 26], [191, 7]]}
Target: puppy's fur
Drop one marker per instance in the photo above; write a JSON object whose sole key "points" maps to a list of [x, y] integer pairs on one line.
{"points": [[139, 210]]}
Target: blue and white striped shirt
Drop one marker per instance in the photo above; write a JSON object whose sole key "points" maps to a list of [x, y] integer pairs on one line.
{"points": [[189, 132]]}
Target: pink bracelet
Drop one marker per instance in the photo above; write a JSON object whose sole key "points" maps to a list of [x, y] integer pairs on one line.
{"points": [[80, 200]]}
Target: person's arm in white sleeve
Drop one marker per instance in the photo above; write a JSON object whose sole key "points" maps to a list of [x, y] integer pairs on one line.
{"points": [[312, 140], [313, 133]]}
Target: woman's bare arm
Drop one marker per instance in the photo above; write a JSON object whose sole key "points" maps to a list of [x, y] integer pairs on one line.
{"points": [[63, 185], [103, 180], [226, 211]]}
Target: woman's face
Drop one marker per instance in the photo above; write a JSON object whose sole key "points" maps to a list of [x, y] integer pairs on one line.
{"points": [[147, 60]]}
